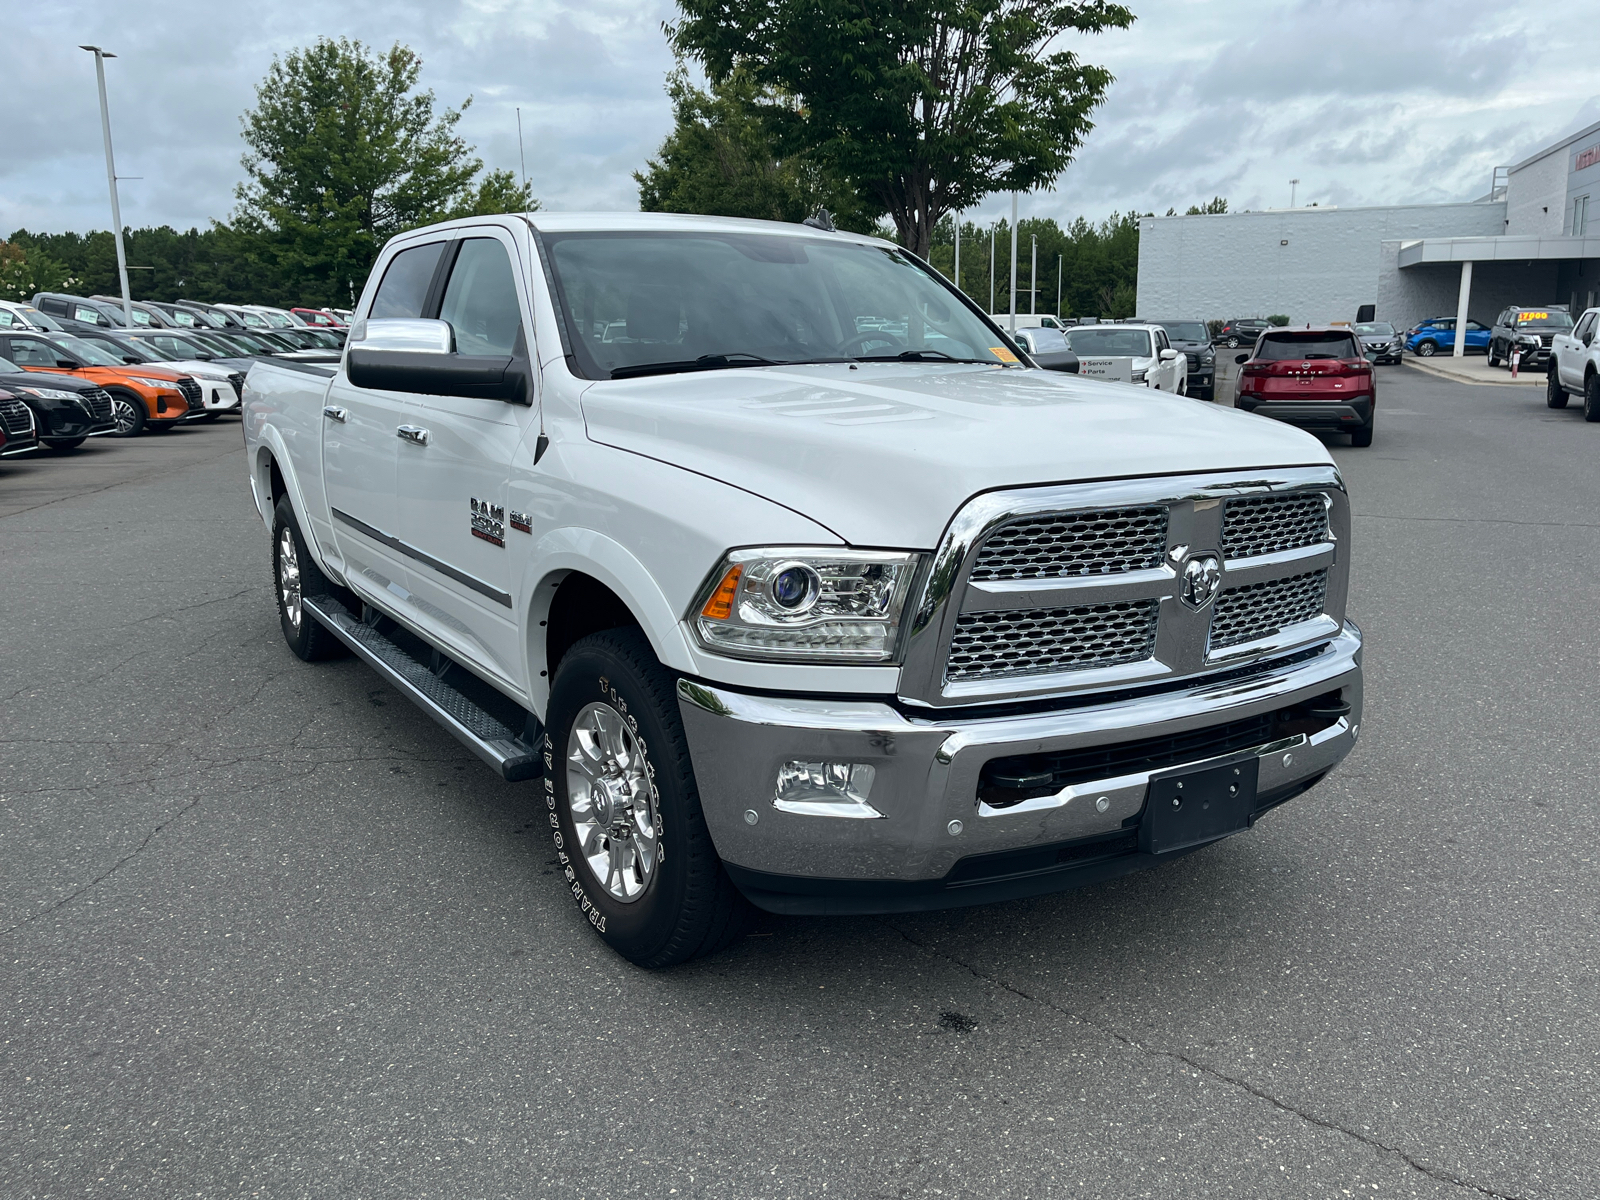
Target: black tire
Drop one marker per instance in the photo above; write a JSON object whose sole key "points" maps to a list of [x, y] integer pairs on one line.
{"points": [[1555, 396], [1591, 397], [127, 409], [1428, 349], [1493, 361], [64, 445], [1233, 343], [1362, 438], [205, 420], [162, 426], [308, 639], [686, 906], [1209, 394]]}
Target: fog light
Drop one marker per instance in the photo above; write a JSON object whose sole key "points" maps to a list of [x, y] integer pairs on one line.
{"points": [[825, 789]]}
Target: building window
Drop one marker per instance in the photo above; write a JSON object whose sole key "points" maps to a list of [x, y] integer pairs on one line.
{"points": [[1580, 216]]}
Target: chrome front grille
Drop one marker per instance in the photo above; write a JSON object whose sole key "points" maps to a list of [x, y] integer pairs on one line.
{"points": [[191, 392], [1028, 641], [1253, 525], [16, 416], [1097, 586], [98, 402], [1258, 610], [1063, 545]]}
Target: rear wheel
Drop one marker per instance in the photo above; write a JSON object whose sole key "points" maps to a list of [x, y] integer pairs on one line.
{"points": [[1428, 349], [1233, 343], [1591, 397], [296, 576], [629, 831], [1555, 396], [1363, 437], [127, 410]]}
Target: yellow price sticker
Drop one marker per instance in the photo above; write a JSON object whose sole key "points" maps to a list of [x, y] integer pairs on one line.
{"points": [[1524, 318], [1003, 354]]}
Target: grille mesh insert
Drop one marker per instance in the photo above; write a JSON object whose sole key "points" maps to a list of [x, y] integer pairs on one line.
{"points": [[1057, 545], [1254, 525], [1036, 640], [98, 401], [16, 417], [1258, 610]]}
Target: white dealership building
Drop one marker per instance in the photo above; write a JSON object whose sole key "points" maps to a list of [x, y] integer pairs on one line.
{"points": [[1534, 239]]}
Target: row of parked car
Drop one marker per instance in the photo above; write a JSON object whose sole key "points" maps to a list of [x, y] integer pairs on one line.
{"points": [[72, 367], [1526, 331]]}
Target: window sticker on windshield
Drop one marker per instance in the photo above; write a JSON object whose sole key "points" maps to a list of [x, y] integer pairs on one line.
{"points": [[1523, 318], [1003, 354]]}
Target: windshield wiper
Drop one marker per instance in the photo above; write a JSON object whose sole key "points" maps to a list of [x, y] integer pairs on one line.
{"points": [[926, 354], [706, 362]]}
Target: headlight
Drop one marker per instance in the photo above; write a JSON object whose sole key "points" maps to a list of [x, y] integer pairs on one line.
{"points": [[1138, 376], [165, 385], [805, 605], [1207, 357], [49, 393]]}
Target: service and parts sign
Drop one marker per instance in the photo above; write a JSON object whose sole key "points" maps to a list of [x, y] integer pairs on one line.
{"points": [[1117, 370]]}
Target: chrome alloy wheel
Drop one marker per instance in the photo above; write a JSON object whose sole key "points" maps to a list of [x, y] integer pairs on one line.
{"points": [[122, 413], [289, 576], [612, 802]]}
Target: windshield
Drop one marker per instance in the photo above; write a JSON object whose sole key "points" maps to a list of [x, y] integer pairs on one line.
{"points": [[1378, 329], [1554, 319], [1185, 331], [151, 350], [1047, 341], [643, 303], [1277, 347], [1112, 343], [7, 367], [90, 352]]}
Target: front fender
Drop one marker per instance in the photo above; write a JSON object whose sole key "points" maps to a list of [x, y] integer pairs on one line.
{"points": [[563, 551]]}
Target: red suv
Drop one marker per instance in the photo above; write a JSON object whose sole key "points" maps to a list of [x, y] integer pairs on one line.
{"points": [[1318, 379]]}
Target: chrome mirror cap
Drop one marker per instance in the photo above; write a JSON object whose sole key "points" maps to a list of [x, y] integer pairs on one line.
{"points": [[414, 334]]}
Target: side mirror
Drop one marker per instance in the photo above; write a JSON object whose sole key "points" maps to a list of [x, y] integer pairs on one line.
{"points": [[1168, 355], [418, 356], [1241, 359], [131, 358]]}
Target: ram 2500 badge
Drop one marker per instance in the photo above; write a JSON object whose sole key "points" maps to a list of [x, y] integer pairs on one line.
{"points": [[784, 577]]}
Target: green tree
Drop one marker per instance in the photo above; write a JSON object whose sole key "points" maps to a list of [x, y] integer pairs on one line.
{"points": [[1213, 207], [722, 159], [25, 271], [343, 152], [927, 106]]}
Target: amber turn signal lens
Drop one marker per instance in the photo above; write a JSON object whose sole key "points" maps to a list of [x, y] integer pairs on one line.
{"points": [[720, 606]]}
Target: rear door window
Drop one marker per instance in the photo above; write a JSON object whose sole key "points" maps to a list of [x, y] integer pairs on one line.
{"points": [[404, 289], [480, 302], [32, 352]]}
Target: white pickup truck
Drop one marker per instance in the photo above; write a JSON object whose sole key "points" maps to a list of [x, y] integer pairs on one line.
{"points": [[786, 578], [1575, 366]]}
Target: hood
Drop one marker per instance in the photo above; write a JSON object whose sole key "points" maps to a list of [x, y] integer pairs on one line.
{"points": [[65, 383], [884, 455]]}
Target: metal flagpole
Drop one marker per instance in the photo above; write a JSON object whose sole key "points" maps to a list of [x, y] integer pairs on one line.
{"points": [[958, 252], [1013, 262], [1059, 259], [1033, 280], [992, 229], [100, 57]]}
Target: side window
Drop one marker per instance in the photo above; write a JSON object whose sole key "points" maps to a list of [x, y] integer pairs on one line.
{"points": [[1585, 327], [404, 289], [480, 302], [82, 312], [7, 318], [30, 352], [58, 307]]}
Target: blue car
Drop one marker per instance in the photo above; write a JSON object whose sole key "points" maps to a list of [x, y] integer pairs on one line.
{"points": [[1438, 336]]}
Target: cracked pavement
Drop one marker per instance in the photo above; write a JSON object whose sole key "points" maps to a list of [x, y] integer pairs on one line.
{"points": [[268, 931]]}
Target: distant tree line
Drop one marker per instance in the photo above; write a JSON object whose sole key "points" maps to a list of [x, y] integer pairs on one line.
{"points": [[343, 151]]}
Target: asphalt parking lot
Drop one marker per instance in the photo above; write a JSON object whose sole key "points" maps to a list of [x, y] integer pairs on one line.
{"points": [[267, 931]]}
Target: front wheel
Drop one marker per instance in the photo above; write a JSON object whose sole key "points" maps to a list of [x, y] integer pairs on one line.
{"points": [[127, 410], [64, 445], [1591, 398], [1555, 396], [1428, 349], [1494, 360], [624, 809]]}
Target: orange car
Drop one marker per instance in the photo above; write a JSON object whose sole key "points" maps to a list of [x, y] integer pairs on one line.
{"points": [[143, 396]]}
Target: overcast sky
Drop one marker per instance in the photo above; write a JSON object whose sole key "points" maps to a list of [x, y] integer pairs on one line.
{"points": [[1364, 103]]}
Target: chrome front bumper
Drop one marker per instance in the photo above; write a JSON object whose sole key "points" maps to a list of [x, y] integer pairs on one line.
{"points": [[927, 773]]}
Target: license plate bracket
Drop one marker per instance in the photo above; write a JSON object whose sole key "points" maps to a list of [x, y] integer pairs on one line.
{"points": [[1189, 808]]}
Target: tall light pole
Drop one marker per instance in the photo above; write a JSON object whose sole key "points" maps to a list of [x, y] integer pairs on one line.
{"points": [[100, 57], [1059, 259], [1013, 262], [992, 266], [958, 253], [1293, 183], [1033, 279]]}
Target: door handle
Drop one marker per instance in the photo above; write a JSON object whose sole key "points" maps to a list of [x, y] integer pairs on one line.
{"points": [[334, 413], [415, 434]]}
